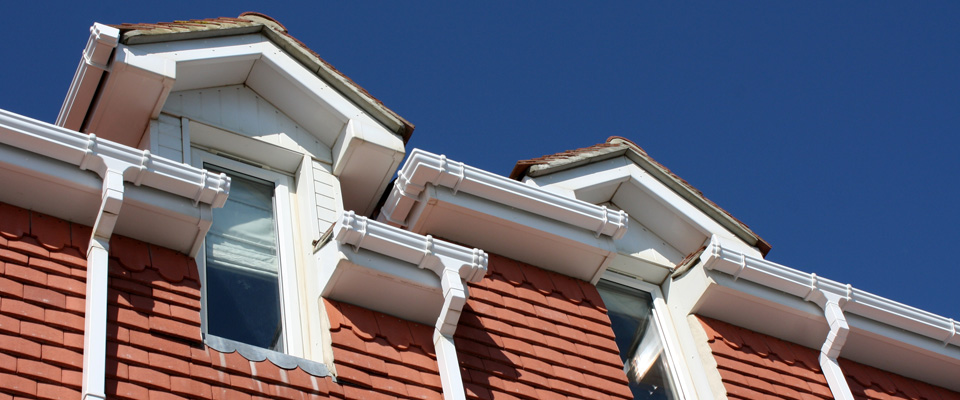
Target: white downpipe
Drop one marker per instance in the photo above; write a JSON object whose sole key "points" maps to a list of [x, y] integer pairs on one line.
{"points": [[452, 263], [832, 305], [424, 168], [95, 307], [115, 164]]}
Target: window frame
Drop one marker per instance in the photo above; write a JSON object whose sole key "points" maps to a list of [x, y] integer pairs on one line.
{"points": [[665, 328], [283, 208]]}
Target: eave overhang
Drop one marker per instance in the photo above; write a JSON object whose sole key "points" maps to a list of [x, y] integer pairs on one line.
{"points": [[445, 198], [749, 291], [617, 147], [124, 82], [62, 173]]}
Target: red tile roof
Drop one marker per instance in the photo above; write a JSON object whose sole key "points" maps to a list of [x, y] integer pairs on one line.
{"points": [[245, 21], [381, 354], [613, 145], [530, 333], [757, 366]]}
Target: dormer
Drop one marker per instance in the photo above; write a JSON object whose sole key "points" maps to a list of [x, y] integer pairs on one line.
{"points": [[242, 87], [241, 98], [669, 219]]}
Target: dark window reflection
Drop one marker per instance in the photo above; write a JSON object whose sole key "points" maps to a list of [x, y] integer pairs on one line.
{"points": [[641, 349]]}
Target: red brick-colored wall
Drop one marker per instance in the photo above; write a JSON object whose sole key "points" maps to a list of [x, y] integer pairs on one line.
{"points": [[42, 286], [529, 333], [757, 366]]}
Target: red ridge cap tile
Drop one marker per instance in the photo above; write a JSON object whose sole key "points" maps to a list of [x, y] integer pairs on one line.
{"points": [[15, 221], [52, 233]]}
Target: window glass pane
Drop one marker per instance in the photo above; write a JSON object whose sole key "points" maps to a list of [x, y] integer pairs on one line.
{"points": [[638, 340], [242, 263]]}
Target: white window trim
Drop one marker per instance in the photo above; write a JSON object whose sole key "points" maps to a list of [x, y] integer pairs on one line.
{"points": [[283, 207], [667, 330]]}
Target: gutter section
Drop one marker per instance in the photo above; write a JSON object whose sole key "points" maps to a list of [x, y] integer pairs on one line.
{"points": [[797, 283], [452, 264], [423, 168], [115, 164], [835, 299], [94, 63]]}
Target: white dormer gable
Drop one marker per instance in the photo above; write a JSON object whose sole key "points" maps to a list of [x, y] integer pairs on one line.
{"points": [[668, 218], [251, 80]]}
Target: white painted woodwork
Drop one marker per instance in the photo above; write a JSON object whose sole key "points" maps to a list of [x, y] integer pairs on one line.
{"points": [[239, 109]]}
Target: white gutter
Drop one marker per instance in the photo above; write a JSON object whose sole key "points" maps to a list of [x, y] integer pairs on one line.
{"points": [[114, 163], [93, 64], [98, 155], [835, 299], [452, 263], [424, 168]]}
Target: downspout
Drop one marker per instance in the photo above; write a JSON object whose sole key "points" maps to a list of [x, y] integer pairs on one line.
{"points": [[95, 307], [832, 305], [452, 263]]}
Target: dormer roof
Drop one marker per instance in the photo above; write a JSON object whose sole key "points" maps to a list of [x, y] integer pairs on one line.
{"points": [[254, 22], [616, 146]]}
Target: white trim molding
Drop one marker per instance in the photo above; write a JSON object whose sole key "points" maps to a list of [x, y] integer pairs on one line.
{"points": [[856, 320], [381, 257], [423, 168]]}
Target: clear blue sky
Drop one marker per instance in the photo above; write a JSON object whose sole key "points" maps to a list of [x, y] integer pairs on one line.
{"points": [[831, 131]]}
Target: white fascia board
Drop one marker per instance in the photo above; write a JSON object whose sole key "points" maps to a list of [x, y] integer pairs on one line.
{"points": [[621, 171], [90, 153], [423, 168], [513, 233], [299, 93], [452, 263], [96, 58], [196, 190], [810, 287], [362, 233]]}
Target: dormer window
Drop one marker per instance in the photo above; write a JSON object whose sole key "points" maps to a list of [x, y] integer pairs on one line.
{"points": [[640, 339], [247, 263]]}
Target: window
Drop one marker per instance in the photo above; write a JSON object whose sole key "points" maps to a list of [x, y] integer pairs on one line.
{"points": [[640, 339], [246, 263]]}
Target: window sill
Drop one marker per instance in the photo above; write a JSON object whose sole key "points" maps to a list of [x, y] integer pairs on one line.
{"points": [[257, 354]]}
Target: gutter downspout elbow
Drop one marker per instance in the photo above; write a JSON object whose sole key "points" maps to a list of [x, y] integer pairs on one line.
{"points": [[454, 298], [832, 305]]}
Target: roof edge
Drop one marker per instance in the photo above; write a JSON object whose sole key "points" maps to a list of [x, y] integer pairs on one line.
{"points": [[253, 22], [616, 146]]}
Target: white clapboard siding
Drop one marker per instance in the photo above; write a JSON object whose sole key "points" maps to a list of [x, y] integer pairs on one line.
{"points": [[327, 189], [168, 136], [239, 109]]}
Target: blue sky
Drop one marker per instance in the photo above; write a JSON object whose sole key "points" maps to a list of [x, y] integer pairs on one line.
{"points": [[830, 130]]}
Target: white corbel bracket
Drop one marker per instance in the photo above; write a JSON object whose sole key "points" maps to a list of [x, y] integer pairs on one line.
{"points": [[453, 264]]}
